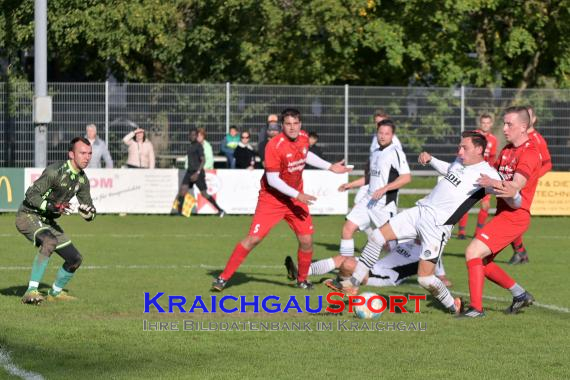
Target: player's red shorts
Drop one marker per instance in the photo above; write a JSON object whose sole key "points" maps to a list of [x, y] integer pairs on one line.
{"points": [[503, 229], [270, 211]]}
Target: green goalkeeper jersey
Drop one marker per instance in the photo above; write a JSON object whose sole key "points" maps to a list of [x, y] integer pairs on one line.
{"points": [[58, 183]]}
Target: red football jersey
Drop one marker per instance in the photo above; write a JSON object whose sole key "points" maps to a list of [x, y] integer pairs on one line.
{"points": [[288, 158], [524, 160], [542, 147], [491, 148]]}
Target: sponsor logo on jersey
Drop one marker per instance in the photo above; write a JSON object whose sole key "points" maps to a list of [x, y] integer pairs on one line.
{"points": [[453, 179], [427, 253]]}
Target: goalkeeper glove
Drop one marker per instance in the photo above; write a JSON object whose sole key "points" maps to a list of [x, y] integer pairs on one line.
{"points": [[87, 212], [59, 208]]}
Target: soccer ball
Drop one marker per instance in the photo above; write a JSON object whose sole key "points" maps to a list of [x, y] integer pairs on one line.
{"points": [[363, 312]]}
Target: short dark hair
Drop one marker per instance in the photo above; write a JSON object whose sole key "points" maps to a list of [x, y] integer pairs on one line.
{"points": [[381, 113], [314, 135], [477, 139], [75, 140], [486, 116], [234, 127], [388, 123], [291, 112], [522, 113]]}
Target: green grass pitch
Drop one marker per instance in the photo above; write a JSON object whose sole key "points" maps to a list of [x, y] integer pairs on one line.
{"points": [[101, 335]]}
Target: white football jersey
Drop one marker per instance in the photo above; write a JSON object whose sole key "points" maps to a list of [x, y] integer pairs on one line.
{"points": [[374, 145], [457, 192], [385, 166]]}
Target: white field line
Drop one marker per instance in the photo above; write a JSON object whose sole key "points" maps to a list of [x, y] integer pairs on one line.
{"points": [[280, 267], [14, 370]]}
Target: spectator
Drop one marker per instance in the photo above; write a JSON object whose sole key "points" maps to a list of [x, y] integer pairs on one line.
{"points": [[262, 137], [244, 153], [141, 151], [208, 151], [100, 150], [313, 140], [272, 130], [229, 144]]}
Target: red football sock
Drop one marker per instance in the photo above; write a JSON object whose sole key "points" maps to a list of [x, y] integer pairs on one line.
{"points": [[481, 219], [494, 273], [237, 257], [476, 282], [462, 223], [304, 262], [518, 245]]}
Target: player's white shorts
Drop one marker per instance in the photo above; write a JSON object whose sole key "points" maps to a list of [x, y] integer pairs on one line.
{"points": [[362, 192], [369, 212], [419, 222]]}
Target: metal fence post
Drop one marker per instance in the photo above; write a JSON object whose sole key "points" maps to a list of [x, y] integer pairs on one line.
{"points": [[346, 123], [107, 112], [462, 108], [227, 107]]}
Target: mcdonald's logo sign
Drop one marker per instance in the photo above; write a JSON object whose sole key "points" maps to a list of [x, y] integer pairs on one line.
{"points": [[6, 180]]}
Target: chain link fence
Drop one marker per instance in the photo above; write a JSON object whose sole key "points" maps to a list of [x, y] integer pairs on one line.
{"points": [[427, 118]]}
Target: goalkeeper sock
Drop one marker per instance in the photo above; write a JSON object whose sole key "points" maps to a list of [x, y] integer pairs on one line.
{"points": [[38, 269], [61, 279]]}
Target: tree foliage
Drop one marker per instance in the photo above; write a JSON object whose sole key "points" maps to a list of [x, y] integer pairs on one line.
{"points": [[509, 43]]}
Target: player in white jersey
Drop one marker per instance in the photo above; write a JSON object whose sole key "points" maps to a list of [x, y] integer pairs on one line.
{"points": [[432, 219], [386, 172], [400, 262], [379, 116]]}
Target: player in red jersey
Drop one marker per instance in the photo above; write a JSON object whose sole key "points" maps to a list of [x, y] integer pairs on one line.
{"points": [[486, 123], [520, 255], [519, 165], [282, 197]]}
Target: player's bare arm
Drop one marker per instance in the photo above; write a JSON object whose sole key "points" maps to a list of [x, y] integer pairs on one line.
{"points": [[352, 185], [399, 182]]}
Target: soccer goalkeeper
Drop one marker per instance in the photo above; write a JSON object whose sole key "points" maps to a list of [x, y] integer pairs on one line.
{"points": [[46, 200]]}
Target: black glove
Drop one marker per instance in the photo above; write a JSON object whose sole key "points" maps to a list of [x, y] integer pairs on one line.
{"points": [[87, 212]]}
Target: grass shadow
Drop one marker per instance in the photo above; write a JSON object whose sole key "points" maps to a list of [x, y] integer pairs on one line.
{"points": [[19, 290]]}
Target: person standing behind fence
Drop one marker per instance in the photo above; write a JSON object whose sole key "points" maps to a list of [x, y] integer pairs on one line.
{"points": [[141, 151], [272, 130], [244, 153], [262, 137], [99, 147], [228, 146], [208, 151]]}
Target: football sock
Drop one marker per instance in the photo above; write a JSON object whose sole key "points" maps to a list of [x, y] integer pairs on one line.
{"points": [[517, 290], [369, 256], [304, 260], [518, 245], [463, 223], [321, 266], [481, 219], [213, 201], [476, 282], [347, 247], [38, 269], [494, 273], [61, 279], [437, 289], [237, 257]]}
